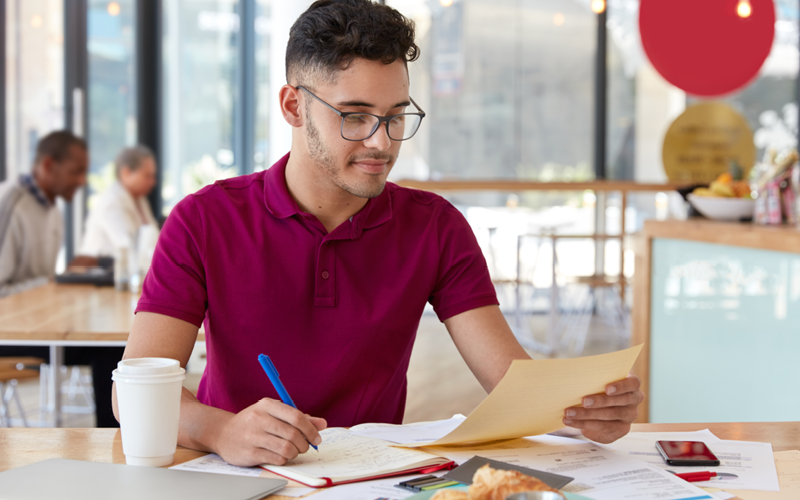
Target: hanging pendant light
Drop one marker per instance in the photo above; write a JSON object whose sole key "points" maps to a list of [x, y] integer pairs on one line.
{"points": [[744, 9]]}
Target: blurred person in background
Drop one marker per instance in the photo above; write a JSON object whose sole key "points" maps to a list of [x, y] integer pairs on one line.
{"points": [[31, 235], [122, 209], [31, 226]]}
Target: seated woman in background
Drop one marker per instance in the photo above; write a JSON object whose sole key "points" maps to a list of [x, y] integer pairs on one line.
{"points": [[122, 209]]}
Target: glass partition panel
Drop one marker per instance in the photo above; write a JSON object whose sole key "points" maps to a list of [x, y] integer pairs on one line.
{"points": [[34, 78]]}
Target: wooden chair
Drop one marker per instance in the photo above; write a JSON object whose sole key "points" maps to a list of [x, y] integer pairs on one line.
{"points": [[19, 363], [9, 375]]}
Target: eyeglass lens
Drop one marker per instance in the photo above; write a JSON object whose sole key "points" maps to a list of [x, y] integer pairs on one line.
{"points": [[357, 127]]}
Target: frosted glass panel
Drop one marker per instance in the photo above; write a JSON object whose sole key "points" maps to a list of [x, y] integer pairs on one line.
{"points": [[725, 334]]}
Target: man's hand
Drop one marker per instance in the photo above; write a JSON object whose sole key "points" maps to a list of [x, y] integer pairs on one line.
{"points": [[268, 432], [607, 417]]}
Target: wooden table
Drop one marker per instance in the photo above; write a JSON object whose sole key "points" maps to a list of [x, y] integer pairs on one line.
{"points": [[67, 315], [19, 447]]}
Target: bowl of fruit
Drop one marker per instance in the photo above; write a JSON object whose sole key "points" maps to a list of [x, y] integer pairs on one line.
{"points": [[724, 199]]}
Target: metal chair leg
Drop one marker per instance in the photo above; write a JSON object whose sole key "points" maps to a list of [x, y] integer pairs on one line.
{"points": [[15, 396], [44, 403], [4, 406]]}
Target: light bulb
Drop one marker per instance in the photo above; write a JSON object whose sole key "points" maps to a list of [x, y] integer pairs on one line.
{"points": [[446, 3], [558, 19], [744, 9], [113, 8], [598, 6]]}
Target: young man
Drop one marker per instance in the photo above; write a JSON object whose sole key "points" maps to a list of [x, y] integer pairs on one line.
{"points": [[324, 266]]}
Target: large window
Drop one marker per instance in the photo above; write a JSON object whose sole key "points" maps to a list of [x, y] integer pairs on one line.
{"points": [[205, 109], [508, 88], [34, 78], [111, 29]]}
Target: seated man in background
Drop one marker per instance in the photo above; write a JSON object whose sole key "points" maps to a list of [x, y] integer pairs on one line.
{"points": [[31, 234], [31, 226], [122, 209], [326, 267]]}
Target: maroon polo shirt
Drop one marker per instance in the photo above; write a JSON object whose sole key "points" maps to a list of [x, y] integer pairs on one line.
{"points": [[336, 312]]}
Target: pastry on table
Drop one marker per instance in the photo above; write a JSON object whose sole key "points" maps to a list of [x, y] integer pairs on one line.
{"points": [[493, 484]]}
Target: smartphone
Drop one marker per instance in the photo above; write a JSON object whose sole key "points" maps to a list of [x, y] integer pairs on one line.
{"points": [[687, 453]]}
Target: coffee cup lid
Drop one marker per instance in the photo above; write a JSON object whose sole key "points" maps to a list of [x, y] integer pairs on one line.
{"points": [[149, 366]]}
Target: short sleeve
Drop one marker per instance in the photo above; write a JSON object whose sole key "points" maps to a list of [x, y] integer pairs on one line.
{"points": [[175, 285], [462, 282]]}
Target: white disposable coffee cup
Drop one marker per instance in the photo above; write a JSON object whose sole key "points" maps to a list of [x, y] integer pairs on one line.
{"points": [[149, 402]]}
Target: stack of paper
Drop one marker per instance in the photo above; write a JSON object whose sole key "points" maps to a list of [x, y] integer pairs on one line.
{"points": [[752, 462], [599, 473]]}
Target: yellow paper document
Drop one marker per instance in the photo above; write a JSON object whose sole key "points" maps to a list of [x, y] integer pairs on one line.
{"points": [[533, 394]]}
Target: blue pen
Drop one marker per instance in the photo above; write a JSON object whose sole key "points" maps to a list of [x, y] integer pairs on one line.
{"points": [[272, 373]]}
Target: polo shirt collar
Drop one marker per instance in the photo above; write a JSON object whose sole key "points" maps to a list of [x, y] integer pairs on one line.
{"points": [[280, 203], [276, 195]]}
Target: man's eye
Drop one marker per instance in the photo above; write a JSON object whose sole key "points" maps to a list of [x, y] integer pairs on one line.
{"points": [[355, 119]]}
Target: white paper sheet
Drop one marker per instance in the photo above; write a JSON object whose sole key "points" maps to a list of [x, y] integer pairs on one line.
{"points": [[752, 462], [293, 492], [214, 464], [409, 433], [788, 464], [366, 490], [599, 473]]}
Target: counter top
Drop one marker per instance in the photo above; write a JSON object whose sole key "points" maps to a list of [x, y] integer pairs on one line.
{"points": [[741, 234]]}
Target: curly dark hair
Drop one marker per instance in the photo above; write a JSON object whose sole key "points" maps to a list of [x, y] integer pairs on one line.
{"points": [[331, 33]]}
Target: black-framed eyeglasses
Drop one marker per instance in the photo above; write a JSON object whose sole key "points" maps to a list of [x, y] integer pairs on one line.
{"points": [[361, 126]]}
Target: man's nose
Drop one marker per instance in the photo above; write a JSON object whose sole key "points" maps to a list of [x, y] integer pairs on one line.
{"points": [[380, 139]]}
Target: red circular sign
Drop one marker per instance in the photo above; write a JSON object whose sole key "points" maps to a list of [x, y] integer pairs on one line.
{"points": [[704, 46]]}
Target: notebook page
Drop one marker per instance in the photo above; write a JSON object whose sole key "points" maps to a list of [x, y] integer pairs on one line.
{"points": [[343, 455]]}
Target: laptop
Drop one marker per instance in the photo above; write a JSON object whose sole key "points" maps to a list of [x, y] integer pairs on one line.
{"points": [[76, 480]]}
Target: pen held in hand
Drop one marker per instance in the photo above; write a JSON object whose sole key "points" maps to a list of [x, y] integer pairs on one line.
{"points": [[272, 373]]}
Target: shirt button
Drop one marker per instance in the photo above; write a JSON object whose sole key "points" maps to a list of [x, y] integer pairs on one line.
{"points": [[325, 275]]}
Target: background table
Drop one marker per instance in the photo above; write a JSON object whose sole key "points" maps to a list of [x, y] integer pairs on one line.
{"points": [[19, 447], [67, 315]]}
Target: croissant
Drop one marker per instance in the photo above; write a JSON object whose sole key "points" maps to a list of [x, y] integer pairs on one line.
{"points": [[450, 495], [492, 484]]}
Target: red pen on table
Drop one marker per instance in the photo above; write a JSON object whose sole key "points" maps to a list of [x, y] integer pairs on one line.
{"points": [[696, 477]]}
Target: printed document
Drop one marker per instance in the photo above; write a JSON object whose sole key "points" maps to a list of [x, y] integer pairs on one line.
{"points": [[367, 490], [752, 462], [599, 473], [533, 394], [788, 464]]}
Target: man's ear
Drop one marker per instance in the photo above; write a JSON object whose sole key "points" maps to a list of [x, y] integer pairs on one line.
{"points": [[290, 105], [47, 165]]}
